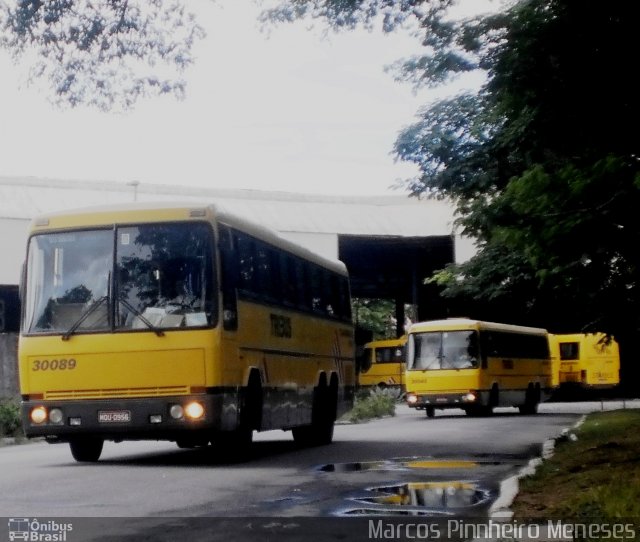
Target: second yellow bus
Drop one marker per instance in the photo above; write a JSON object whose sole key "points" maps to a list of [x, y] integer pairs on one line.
{"points": [[476, 366], [382, 364]]}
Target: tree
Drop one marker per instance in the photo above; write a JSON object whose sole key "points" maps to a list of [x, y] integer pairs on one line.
{"points": [[541, 161], [541, 164], [105, 53], [375, 316]]}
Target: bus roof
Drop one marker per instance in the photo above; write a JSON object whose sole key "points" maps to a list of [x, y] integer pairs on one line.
{"points": [[143, 213], [381, 343], [453, 324]]}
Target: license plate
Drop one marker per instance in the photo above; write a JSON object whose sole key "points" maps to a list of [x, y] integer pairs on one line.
{"points": [[441, 400], [114, 416]]}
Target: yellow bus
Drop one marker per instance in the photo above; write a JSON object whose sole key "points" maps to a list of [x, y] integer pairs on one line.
{"points": [[181, 323], [382, 364], [585, 360], [476, 366]]}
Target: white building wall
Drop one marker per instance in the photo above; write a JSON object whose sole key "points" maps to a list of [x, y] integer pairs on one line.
{"points": [[464, 248], [13, 233], [325, 244], [312, 221]]}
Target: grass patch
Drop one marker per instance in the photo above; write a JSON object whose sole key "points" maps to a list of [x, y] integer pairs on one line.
{"points": [[595, 478], [10, 424], [374, 403]]}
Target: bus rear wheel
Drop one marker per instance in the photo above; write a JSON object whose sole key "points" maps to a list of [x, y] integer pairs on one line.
{"points": [[86, 450], [323, 416], [233, 446], [478, 411], [531, 401]]}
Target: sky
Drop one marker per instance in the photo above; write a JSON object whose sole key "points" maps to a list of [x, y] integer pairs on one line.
{"points": [[291, 110]]}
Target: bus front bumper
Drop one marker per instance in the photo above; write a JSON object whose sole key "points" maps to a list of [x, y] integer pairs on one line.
{"points": [[443, 400], [128, 419]]}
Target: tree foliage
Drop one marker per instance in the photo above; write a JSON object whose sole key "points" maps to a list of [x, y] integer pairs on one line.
{"points": [[542, 166], [105, 53], [541, 160], [375, 316]]}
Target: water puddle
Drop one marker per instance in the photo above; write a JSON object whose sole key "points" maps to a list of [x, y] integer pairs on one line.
{"points": [[422, 499], [429, 494], [399, 464]]}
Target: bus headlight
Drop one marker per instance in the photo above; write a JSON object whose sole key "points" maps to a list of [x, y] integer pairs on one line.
{"points": [[38, 415], [412, 398], [194, 410], [177, 412], [55, 416], [469, 397]]}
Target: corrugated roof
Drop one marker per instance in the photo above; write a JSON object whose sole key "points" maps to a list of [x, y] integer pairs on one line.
{"points": [[26, 197]]}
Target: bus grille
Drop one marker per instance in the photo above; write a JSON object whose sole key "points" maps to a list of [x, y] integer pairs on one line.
{"points": [[155, 391]]}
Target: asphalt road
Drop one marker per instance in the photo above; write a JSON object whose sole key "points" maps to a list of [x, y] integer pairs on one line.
{"points": [[447, 466]]}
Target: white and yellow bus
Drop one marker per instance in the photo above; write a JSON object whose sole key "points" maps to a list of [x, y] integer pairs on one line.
{"points": [[382, 364], [585, 360], [476, 366], [179, 323]]}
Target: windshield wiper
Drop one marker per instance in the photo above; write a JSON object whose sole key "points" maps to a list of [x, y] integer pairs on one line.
{"points": [[144, 320], [88, 312]]}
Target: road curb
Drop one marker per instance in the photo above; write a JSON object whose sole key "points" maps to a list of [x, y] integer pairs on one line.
{"points": [[509, 487]]}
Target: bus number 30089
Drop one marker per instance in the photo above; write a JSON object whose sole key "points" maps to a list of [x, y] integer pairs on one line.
{"points": [[54, 364]]}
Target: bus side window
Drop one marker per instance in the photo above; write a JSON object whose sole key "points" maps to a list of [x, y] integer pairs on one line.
{"points": [[288, 280], [305, 297], [247, 272], [569, 351], [484, 348], [365, 360], [229, 278]]}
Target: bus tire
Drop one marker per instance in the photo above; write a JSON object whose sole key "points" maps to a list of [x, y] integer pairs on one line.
{"points": [[86, 450], [323, 416], [531, 401], [251, 409], [233, 446], [494, 397], [478, 411], [430, 411], [191, 442]]}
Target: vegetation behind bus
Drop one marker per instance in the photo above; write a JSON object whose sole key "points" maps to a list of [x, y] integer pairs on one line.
{"points": [[10, 423]]}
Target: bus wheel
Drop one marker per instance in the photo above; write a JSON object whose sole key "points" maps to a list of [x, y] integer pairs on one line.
{"points": [[86, 449], [494, 397], [477, 411], [190, 442], [531, 400], [323, 416], [251, 404], [431, 411], [233, 444]]}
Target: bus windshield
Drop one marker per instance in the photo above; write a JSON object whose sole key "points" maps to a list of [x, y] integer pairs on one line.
{"points": [[443, 350], [149, 276]]}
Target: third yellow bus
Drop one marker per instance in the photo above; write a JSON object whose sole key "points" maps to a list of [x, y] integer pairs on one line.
{"points": [[585, 360]]}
